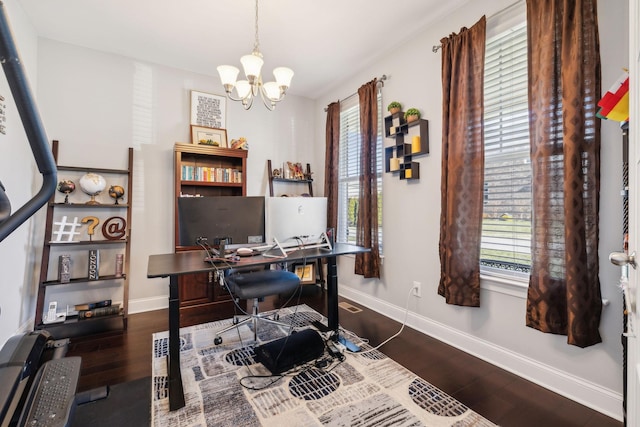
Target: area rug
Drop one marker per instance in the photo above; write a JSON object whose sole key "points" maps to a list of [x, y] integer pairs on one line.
{"points": [[225, 386]]}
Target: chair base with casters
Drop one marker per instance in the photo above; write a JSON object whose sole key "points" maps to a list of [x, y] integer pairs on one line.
{"points": [[255, 286]]}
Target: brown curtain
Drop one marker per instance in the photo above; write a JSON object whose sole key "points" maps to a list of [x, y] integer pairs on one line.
{"points": [[564, 86], [368, 264], [462, 165], [332, 154]]}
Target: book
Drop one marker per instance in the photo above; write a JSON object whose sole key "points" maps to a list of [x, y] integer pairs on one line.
{"points": [[94, 264], [64, 268], [99, 312], [119, 264], [92, 305]]}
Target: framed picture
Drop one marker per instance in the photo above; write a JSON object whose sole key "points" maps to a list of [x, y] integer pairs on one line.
{"points": [[306, 273], [209, 136], [208, 110]]}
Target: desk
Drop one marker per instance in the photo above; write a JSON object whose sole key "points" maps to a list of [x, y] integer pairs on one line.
{"points": [[174, 264]]}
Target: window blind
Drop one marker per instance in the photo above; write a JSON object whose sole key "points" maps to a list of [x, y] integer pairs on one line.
{"points": [[349, 170], [506, 228]]}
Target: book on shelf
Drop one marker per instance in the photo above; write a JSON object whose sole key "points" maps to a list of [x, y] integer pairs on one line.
{"points": [[92, 305], [99, 312], [210, 174]]}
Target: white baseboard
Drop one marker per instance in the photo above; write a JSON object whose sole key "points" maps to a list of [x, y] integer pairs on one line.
{"points": [[584, 392], [140, 305]]}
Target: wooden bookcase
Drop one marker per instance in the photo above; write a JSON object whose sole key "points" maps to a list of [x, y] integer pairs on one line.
{"points": [[77, 289], [202, 170]]}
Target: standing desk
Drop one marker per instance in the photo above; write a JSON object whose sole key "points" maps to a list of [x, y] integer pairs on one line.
{"points": [[175, 264]]}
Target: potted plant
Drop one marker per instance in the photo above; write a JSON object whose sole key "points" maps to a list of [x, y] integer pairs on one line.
{"points": [[394, 107], [411, 114]]}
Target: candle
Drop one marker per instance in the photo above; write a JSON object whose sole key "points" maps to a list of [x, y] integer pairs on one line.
{"points": [[407, 173], [415, 144], [394, 164]]}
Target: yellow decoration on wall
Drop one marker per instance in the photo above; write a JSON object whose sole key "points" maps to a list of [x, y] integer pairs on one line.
{"points": [[415, 144]]}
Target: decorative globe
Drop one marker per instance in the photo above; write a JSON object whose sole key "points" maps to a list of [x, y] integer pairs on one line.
{"points": [[92, 184], [116, 192], [66, 186]]}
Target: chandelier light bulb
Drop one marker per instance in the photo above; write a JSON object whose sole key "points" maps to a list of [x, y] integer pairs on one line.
{"points": [[252, 64], [228, 75], [272, 90], [283, 76], [243, 88]]}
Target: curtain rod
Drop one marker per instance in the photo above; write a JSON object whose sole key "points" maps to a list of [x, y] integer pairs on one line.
{"points": [[381, 80], [436, 48]]}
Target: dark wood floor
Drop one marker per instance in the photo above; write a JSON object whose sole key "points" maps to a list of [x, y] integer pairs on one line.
{"points": [[500, 396]]}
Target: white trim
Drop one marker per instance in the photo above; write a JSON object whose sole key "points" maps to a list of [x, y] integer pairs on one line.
{"points": [[584, 392], [512, 287], [141, 305], [26, 327], [633, 343], [505, 19]]}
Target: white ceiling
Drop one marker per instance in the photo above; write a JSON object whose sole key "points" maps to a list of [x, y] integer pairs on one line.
{"points": [[322, 41]]}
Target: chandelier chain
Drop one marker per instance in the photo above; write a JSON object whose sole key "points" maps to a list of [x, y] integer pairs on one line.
{"points": [[256, 44]]}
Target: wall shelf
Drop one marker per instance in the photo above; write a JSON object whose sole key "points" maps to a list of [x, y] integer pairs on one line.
{"points": [[86, 206], [51, 288], [88, 242], [83, 280], [411, 139], [272, 179]]}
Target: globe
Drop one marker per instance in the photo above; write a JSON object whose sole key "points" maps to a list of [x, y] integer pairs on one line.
{"points": [[92, 184], [116, 192], [66, 186]]}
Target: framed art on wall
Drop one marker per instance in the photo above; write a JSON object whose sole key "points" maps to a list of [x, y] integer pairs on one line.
{"points": [[208, 110], [209, 136]]}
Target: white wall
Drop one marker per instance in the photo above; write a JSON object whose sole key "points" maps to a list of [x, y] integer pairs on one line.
{"points": [[98, 104], [17, 258], [411, 210]]}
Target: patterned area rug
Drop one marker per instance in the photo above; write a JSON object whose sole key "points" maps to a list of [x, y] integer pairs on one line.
{"points": [[366, 389]]}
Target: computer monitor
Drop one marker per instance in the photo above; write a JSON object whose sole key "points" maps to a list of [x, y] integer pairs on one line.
{"points": [[238, 219], [295, 221]]}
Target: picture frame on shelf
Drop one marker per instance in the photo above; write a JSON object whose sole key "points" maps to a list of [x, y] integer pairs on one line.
{"points": [[208, 110], [214, 137], [306, 273]]}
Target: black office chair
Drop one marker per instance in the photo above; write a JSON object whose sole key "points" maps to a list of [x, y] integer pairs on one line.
{"points": [[256, 285]]}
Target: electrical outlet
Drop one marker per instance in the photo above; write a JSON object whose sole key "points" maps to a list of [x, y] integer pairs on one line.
{"points": [[416, 291]]}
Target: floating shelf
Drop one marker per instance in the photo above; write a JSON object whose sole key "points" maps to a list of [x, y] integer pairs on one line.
{"points": [[411, 139]]}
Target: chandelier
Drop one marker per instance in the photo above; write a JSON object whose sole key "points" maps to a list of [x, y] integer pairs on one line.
{"points": [[270, 92]]}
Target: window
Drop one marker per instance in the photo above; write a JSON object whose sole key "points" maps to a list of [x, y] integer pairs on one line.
{"points": [[349, 170], [506, 225]]}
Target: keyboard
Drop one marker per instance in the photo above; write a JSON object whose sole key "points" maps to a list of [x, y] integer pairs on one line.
{"points": [[51, 398]]}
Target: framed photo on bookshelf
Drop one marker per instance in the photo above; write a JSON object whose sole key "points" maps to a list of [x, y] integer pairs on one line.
{"points": [[209, 136], [306, 273]]}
